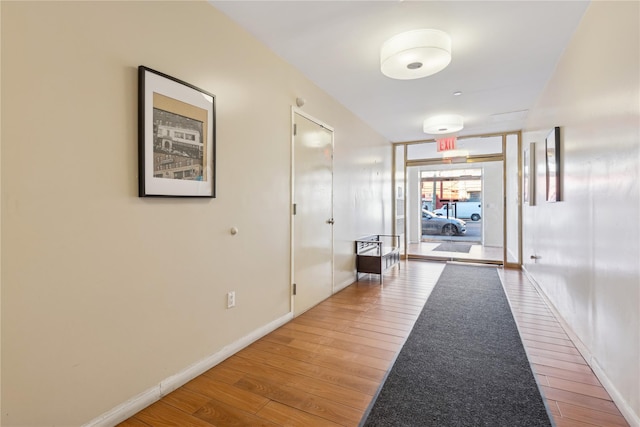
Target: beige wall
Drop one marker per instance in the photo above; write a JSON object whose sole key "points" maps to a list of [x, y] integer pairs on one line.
{"points": [[588, 244], [0, 219], [105, 294]]}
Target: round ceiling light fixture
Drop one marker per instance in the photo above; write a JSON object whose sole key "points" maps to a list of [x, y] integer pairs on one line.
{"points": [[415, 54], [445, 123]]}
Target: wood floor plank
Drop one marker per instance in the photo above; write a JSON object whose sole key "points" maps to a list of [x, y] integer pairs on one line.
{"points": [[573, 358], [570, 366], [320, 370], [258, 367], [186, 400], [551, 347], [220, 414], [372, 342], [577, 387], [542, 327], [539, 320], [161, 414], [299, 399], [224, 374], [323, 324], [226, 393], [550, 371], [339, 344], [377, 335], [553, 408], [402, 333], [591, 416], [542, 333], [539, 338], [568, 422], [397, 324], [360, 358], [340, 365], [133, 422], [287, 416]]}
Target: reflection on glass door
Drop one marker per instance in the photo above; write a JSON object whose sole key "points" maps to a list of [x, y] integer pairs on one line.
{"points": [[455, 196]]}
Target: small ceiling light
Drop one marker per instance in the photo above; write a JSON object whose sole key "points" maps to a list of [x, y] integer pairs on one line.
{"points": [[446, 123], [415, 54], [457, 93]]}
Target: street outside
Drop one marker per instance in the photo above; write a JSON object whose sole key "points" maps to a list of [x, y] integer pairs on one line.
{"points": [[473, 234]]}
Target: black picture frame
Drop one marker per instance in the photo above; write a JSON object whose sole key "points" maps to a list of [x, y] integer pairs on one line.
{"points": [[176, 137], [552, 152]]}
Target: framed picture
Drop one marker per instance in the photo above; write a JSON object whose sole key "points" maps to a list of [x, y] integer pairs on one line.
{"points": [[552, 150], [176, 137], [528, 175]]}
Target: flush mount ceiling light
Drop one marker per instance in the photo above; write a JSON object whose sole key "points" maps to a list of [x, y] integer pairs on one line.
{"points": [[446, 123], [415, 54]]}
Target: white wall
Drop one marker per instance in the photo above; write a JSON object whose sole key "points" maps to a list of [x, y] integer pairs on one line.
{"points": [[414, 215], [104, 294], [492, 204], [588, 244]]}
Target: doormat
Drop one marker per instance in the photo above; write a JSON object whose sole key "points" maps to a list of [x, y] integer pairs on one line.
{"points": [[453, 247]]}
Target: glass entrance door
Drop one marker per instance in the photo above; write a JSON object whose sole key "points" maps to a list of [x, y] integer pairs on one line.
{"points": [[452, 224], [451, 206]]}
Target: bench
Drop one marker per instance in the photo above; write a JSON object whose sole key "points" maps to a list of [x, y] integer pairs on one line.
{"points": [[377, 253]]}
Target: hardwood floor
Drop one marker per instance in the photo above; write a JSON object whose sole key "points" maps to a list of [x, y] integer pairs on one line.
{"points": [[572, 392], [324, 367]]}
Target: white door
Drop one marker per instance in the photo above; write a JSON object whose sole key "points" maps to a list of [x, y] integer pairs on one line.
{"points": [[312, 221]]}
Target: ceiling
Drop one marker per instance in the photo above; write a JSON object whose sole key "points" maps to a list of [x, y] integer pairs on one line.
{"points": [[503, 54]]}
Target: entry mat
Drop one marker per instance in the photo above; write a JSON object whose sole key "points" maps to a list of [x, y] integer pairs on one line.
{"points": [[453, 247]]}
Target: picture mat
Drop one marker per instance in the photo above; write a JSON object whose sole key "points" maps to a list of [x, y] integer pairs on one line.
{"points": [[174, 187]]}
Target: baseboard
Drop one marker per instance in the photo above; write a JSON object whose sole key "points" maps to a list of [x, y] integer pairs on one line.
{"points": [[583, 349], [166, 386], [625, 409], [632, 418], [344, 284]]}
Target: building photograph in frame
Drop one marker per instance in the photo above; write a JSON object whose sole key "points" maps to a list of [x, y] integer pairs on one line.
{"points": [[552, 150], [176, 137]]}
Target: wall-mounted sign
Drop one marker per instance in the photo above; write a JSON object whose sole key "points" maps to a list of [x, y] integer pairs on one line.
{"points": [[446, 144]]}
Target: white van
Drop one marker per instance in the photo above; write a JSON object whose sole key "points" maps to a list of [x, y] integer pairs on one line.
{"points": [[465, 210]]}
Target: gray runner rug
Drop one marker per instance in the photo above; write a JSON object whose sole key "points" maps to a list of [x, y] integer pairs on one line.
{"points": [[463, 363]]}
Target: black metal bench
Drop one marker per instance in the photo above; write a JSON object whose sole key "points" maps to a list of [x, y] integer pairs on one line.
{"points": [[377, 253]]}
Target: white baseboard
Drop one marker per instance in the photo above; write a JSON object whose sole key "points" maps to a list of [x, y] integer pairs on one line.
{"points": [[625, 409], [136, 404], [344, 284], [628, 413]]}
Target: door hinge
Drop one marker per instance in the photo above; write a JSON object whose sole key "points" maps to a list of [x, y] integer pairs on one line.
{"points": [[295, 129], [294, 288], [295, 207]]}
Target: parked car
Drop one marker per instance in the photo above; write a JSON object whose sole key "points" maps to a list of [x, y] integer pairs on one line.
{"points": [[471, 210], [434, 224]]}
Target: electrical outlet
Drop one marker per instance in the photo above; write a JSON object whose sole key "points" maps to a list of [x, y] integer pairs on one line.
{"points": [[231, 299]]}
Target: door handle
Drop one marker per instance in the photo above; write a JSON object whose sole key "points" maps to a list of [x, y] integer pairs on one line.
{"points": [[330, 221]]}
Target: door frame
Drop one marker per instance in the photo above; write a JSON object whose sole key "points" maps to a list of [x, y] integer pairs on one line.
{"points": [[294, 111], [405, 163]]}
